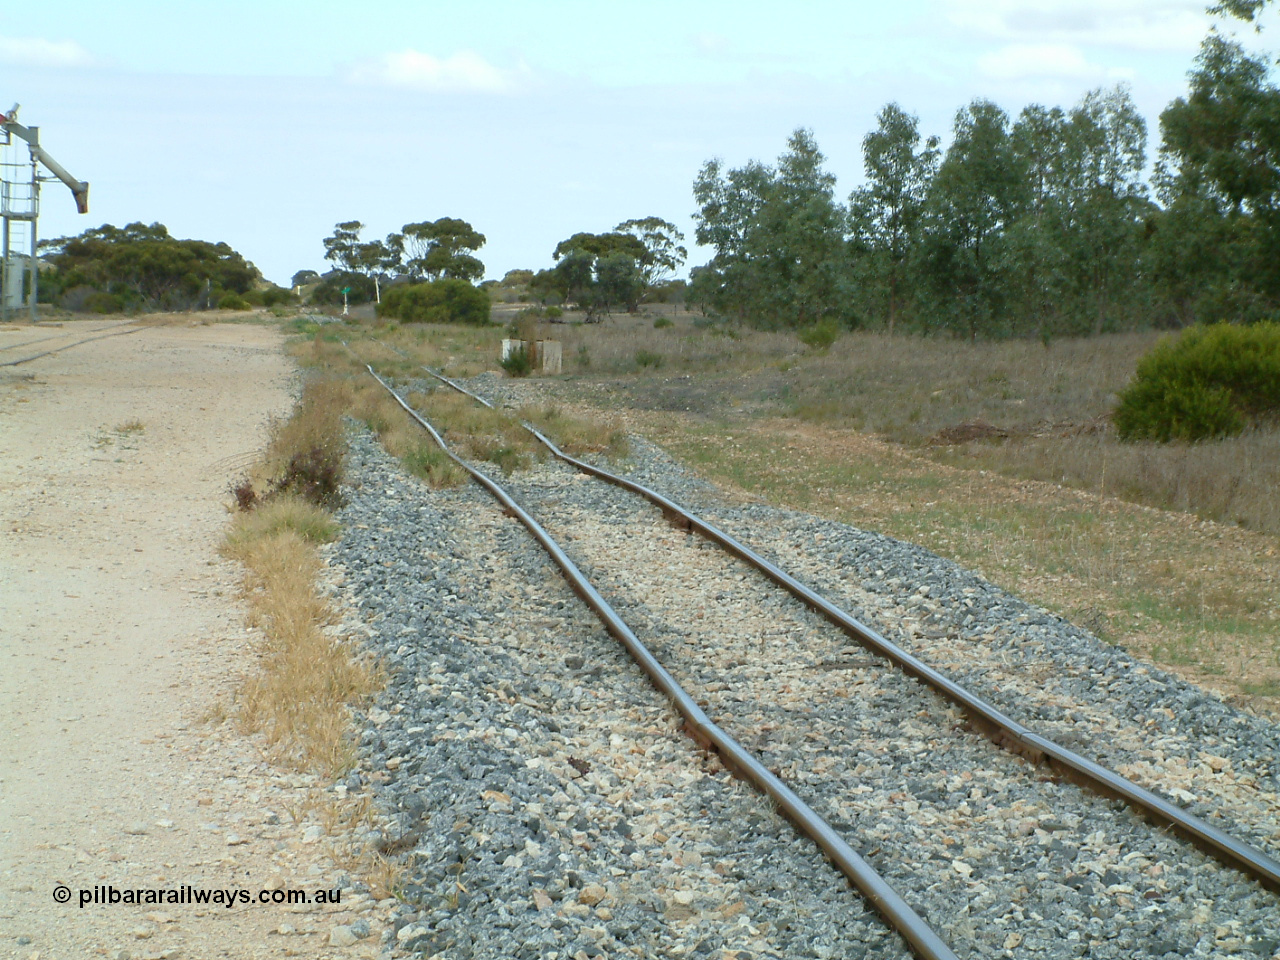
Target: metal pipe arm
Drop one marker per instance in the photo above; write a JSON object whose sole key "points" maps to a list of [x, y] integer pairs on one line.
{"points": [[79, 188]]}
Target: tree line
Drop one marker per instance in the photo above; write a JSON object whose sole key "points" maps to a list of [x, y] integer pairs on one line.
{"points": [[593, 272], [109, 269], [1036, 225]]}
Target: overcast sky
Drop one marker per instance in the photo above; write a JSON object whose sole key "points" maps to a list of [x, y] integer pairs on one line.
{"points": [[265, 123]]}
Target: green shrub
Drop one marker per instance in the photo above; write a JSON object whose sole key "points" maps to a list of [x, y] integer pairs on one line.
{"points": [[552, 312], [646, 358], [102, 302], [1209, 382], [820, 335], [662, 323], [441, 301], [517, 363], [328, 292], [233, 301], [276, 296]]}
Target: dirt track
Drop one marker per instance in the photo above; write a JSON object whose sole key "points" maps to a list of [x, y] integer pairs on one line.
{"points": [[121, 638]]}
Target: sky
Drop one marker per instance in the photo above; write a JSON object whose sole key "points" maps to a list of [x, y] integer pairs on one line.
{"points": [[263, 124]]}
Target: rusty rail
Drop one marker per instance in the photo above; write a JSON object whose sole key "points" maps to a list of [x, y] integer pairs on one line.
{"points": [[1000, 728], [924, 943], [68, 346]]}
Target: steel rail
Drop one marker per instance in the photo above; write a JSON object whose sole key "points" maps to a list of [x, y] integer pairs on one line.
{"points": [[924, 942], [46, 353], [59, 336], [1002, 729]]}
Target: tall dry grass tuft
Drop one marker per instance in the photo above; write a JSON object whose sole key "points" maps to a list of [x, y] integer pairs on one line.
{"points": [[307, 681], [305, 451]]}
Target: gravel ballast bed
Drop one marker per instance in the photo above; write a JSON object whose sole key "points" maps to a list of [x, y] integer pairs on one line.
{"points": [[1032, 868], [549, 801]]}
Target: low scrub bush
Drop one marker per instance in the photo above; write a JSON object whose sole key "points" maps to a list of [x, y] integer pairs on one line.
{"points": [[662, 323], [1209, 382], [315, 475], [820, 335], [102, 302], [233, 301], [441, 301], [517, 363], [647, 358]]}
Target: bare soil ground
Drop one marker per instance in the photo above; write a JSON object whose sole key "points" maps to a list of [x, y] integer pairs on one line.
{"points": [[121, 641]]}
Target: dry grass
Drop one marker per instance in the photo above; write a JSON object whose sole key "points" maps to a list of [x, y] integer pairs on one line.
{"points": [[301, 696], [280, 515], [306, 683], [578, 435], [475, 432], [1052, 404], [1233, 480]]}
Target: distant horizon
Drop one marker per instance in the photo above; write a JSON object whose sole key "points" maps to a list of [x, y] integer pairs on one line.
{"points": [[264, 127]]}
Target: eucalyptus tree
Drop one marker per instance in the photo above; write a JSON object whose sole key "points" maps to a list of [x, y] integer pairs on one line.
{"points": [[778, 235], [440, 249], [1036, 258], [979, 190], [1220, 164], [1111, 203], [664, 247], [600, 270], [340, 248], [728, 203], [885, 215], [798, 239]]}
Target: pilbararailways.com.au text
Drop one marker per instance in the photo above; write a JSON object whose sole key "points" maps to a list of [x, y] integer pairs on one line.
{"points": [[107, 895]]}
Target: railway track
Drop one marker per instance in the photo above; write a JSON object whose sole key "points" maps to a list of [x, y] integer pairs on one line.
{"points": [[114, 328], [795, 714]]}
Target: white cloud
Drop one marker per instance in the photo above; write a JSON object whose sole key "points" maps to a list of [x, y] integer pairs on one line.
{"points": [[464, 72], [1126, 24], [1021, 61], [37, 52], [710, 44]]}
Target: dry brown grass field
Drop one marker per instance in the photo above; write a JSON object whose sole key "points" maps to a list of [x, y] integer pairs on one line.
{"points": [[997, 455]]}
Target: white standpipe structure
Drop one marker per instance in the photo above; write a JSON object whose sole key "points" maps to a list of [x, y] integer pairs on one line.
{"points": [[20, 200]]}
